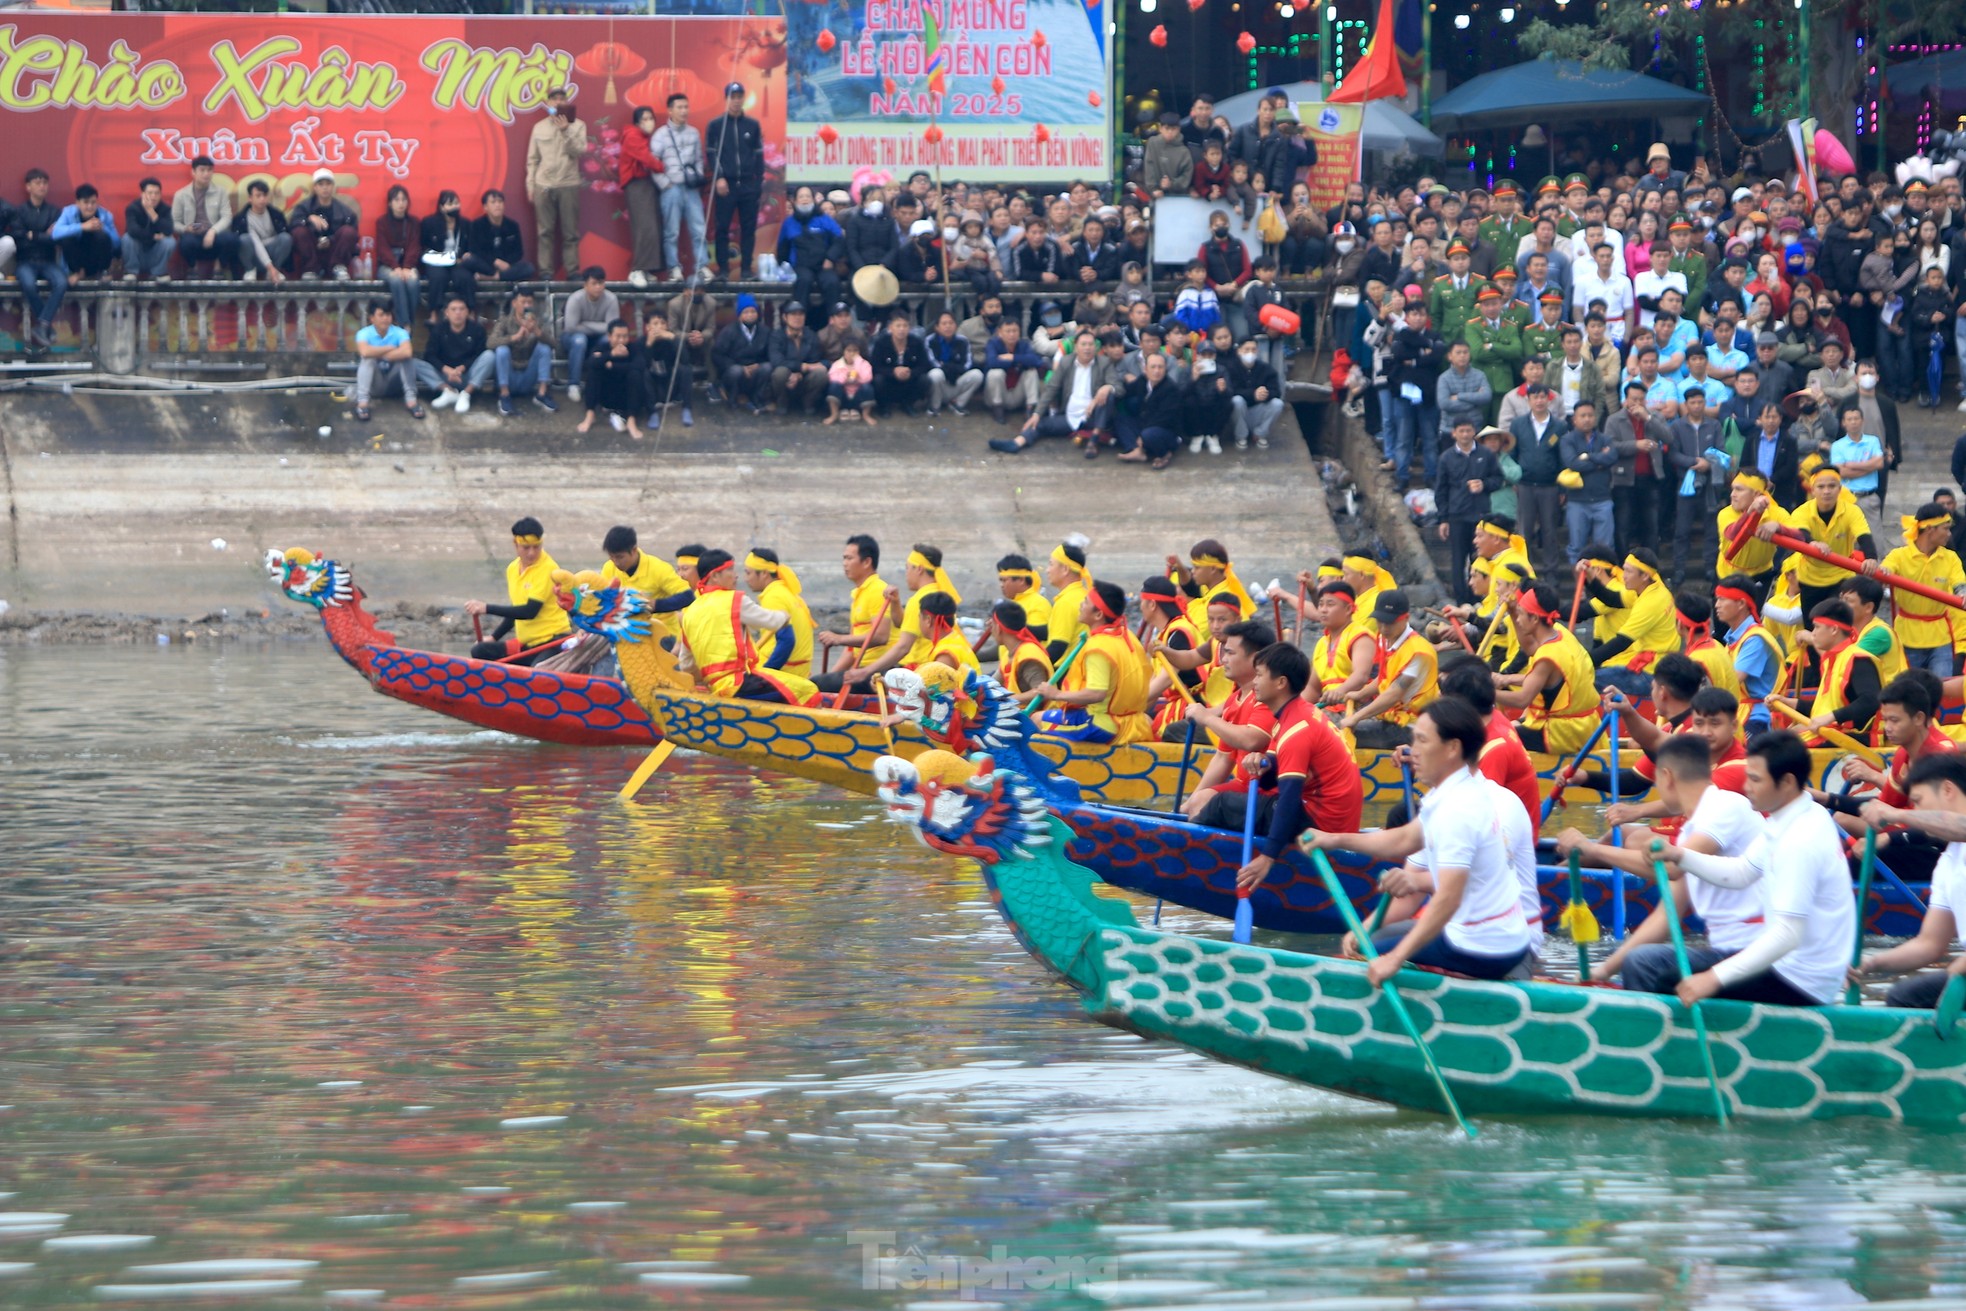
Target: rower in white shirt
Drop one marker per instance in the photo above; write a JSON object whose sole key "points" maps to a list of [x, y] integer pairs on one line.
{"points": [[1802, 953], [1470, 850], [1710, 820], [1937, 787]]}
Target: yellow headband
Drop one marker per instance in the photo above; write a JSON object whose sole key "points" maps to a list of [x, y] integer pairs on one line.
{"points": [[530, 539], [686, 562], [1229, 578], [1084, 574], [1030, 576], [1214, 560], [1827, 471], [782, 572], [942, 583], [1633, 562], [1486, 527], [1750, 478], [1329, 571], [1913, 526]]}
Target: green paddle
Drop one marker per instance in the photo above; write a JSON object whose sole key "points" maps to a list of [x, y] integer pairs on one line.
{"points": [[1058, 674], [1946, 1014], [1344, 905], [1853, 995], [1686, 972]]}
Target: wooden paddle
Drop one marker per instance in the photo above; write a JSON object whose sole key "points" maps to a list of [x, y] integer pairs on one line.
{"points": [[1832, 734], [858, 654], [1301, 625], [478, 627], [1577, 602], [1671, 909], [880, 700], [647, 768], [1366, 949], [1853, 995]]}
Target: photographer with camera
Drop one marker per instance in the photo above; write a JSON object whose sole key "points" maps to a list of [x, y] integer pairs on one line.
{"points": [[679, 148], [516, 336]]}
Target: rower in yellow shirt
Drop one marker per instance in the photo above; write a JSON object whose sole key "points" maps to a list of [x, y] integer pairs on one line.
{"points": [[1556, 691], [632, 567], [1102, 697], [869, 615], [910, 644], [1650, 629], [531, 616], [1607, 599], [1019, 582], [686, 558], [1368, 578], [1345, 656], [1022, 663], [1408, 682], [1756, 557], [1865, 597], [778, 588], [1208, 574], [946, 643], [716, 640], [1066, 571], [1924, 626], [1830, 518], [1497, 542]]}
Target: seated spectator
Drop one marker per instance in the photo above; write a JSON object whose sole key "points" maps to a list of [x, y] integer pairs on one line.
{"points": [[900, 363], [396, 231], [147, 237], [869, 232], [850, 386], [918, 259], [201, 215], [325, 235], [798, 368], [1210, 180], [952, 379], [444, 240], [383, 351], [979, 327], [1077, 402], [37, 260], [671, 373], [456, 350], [743, 357], [515, 336], [587, 319], [1152, 413], [494, 246], [693, 318], [616, 380], [813, 246], [1258, 398], [1094, 259], [839, 330], [1011, 368], [261, 240], [1036, 257], [86, 236], [1195, 305]]}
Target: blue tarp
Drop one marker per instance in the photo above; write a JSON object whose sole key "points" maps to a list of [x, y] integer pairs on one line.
{"points": [[1548, 89]]}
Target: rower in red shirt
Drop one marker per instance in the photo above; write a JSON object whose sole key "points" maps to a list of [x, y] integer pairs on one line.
{"points": [[1907, 714], [1241, 723], [1713, 714], [1503, 758]]}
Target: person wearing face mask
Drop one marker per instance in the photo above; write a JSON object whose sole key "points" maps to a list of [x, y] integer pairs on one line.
{"points": [[1257, 396], [1880, 419], [812, 246], [870, 233], [443, 239], [919, 258]]}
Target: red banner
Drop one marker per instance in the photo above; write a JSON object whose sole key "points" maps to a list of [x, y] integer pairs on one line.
{"points": [[431, 103]]}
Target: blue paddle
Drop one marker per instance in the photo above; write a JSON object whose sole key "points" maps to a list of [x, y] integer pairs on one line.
{"points": [[1617, 874], [1245, 915], [1884, 871], [1406, 786], [1549, 802]]}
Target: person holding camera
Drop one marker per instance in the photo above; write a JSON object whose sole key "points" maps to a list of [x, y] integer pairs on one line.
{"points": [[680, 149], [553, 155], [516, 337]]}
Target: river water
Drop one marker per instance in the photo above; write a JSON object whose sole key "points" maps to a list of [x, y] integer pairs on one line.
{"points": [[361, 1004]]}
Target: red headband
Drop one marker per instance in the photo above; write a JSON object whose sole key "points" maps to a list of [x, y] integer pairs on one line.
{"points": [[1834, 623], [1100, 602], [1697, 625], [1527, 600], [1736, 594]]}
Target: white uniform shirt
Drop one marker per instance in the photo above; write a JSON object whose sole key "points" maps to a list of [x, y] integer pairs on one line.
{"points": [[1734, 916], [1949, 880], [1615, 291], [1465, 825], [1654, 285]]}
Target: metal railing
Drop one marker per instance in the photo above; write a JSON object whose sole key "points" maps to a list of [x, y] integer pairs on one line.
{"points": [[309, 326]]}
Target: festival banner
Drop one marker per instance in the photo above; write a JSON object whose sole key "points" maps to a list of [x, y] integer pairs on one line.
{"points": [[1336, 131], [983, 90], [432, 103]]}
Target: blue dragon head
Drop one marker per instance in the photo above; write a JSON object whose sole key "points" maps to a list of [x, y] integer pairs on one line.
{"points": [[309, 577], [966, 807], [609, 610], [972, 713]]}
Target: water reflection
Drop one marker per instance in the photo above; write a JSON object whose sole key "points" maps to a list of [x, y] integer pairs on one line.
{"points": [[299, 981]]}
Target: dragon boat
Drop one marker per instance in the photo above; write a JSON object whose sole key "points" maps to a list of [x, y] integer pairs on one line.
{"points": [[1515, 1049], [580, 710]]}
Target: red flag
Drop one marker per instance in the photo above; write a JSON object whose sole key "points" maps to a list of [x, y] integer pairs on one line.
{"points": [[1377, 76]]}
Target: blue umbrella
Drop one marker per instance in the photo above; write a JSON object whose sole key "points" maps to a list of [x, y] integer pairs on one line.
{"points": [[1546, 89]]}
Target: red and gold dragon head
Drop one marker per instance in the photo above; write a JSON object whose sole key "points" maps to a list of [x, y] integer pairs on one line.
{"points": [[966, 807]]}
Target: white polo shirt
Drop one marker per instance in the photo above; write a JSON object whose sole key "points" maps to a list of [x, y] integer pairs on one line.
{"points": [[1734, 916], [1465, 824]]}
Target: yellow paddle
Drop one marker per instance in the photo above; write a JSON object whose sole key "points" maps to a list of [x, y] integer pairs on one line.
{"points": [[1830, 733], [646, 769]]}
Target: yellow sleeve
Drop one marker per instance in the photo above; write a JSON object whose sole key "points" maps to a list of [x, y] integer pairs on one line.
{"points": [[1098, 672], [537, 586], [911, 616]]}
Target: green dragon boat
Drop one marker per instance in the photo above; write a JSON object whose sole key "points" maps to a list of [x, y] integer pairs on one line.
{"points": [[1510, 1049]]}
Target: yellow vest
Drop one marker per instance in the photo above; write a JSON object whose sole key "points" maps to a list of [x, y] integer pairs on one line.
{"points": [[531, 584], [1411, 649], [1122, 667], [1774, 649], [911, 622], [1506, 556], [1651, 626], [1037, 612], [1718, 661], [1839, 533], [1755, 556], [1568, 713], [1331, 654], [1892, 662], [1065, 626], [954, 645], [653, 577], [1785, 594], [1920, 621], [1836, 678], [865, 608], [777, 596], [713, 629], [1198, 608], [1011, 665]]}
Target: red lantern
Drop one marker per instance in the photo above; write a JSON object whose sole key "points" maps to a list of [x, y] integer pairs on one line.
{"points": [[1245, 43], [826, 41], [933, 135], [1158, 37], [827, 134], [1037, 39], [1041, 134], [996, 85], [1300, 5], [1092, 98], [1196, 4], [887, 86]]}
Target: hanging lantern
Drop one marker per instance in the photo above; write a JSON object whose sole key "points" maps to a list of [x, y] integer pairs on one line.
{"points": [[996, 85], [933, 135], [827, 134], [1092, 98], [887, 86], [1158, 37], [1037, 40], [825, 40], [1196, 4], [1041, 134], [1245, 43]]}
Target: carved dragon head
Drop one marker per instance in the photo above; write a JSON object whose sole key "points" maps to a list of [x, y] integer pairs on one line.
{"points": [[620, 614], [963, 807], [309, 577]]}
